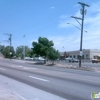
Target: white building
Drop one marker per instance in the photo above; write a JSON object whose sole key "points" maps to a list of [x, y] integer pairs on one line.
{"points": [[87, 54]]}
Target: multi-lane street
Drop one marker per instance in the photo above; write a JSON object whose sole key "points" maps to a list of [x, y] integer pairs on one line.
{"points": [[70, 84]]}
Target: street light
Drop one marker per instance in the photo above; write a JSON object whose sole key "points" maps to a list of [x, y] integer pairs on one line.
{"points": [[76, 26], [83, 12], [81, 53]]}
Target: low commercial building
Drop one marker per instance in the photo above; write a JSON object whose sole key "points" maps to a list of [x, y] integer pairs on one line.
{"points": [[87, 54]]}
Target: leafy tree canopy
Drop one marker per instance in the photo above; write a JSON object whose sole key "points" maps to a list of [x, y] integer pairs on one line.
{"points": [[20, 51], [2, 48], [53, 54], [42, 47], [6, 52]]}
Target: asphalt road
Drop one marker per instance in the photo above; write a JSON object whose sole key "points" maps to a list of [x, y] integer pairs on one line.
{"points": [[67, 83]]}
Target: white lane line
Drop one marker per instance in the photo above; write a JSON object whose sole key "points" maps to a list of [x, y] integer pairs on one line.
{"points": [[19, 96], [39, 79], [15, 66], [19, 66], [29, 68], [2, 69]]}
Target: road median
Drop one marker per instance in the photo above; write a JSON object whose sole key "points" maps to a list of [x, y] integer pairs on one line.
{"points": [[62, 65]]}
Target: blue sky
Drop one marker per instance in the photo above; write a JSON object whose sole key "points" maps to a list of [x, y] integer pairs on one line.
{"points": [[48, 18]]}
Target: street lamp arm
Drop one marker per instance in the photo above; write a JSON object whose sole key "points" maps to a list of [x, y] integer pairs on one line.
{"points": [[73, 25], [78, 21], [76, 18], [76, 26]]}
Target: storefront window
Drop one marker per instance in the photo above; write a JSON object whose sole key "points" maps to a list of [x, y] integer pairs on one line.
{"points": [[77, 56], [70, 56], [82, 56], [87, 56], [74, 56]]}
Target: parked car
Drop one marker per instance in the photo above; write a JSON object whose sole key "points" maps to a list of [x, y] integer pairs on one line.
{"points": [[14, 57], [39, 60], [28, 58], [75, 60], [71, 59]]}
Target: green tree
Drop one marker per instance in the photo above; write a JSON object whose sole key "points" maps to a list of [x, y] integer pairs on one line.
{"points": [[28, 51], [6, 52], [20, 49], [41, 48], [44, 47], [2, 48], [53, 54]]}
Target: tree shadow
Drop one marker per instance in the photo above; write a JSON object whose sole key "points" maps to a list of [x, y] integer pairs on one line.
{"points": [[39, 63], [36, 63], [50, 64]]}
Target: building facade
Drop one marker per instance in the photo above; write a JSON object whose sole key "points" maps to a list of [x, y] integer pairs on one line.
{"points": [[87, 54]]}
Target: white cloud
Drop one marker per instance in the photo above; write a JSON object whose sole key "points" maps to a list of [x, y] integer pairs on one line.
{"points": [[33, 40], [52, 7], [70, 42], [91, 39], [66, 42]]}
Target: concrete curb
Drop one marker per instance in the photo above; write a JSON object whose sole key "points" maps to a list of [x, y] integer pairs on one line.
{"points": [[6, 94]]}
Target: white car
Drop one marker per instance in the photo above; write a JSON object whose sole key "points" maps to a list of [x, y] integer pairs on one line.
{"points": [[39, 59], [68, 58], [28, 58], [71, 59]]}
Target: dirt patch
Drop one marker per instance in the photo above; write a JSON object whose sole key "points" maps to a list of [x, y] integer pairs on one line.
{"points": [[74, 67]]}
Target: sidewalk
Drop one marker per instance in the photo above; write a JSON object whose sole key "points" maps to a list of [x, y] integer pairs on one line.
{"points": [[11, 89], [8, 95]]}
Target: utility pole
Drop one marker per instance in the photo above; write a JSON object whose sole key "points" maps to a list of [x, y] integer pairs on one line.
{"points": [[10, 42], [83, 12], [24, 48], [0, 47]]}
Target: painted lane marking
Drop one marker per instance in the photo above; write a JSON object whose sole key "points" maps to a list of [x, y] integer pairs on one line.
{"points": [[29, 68], [39, 79], [15, 66], [19, 96], [2, 69], [19, 66]]}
